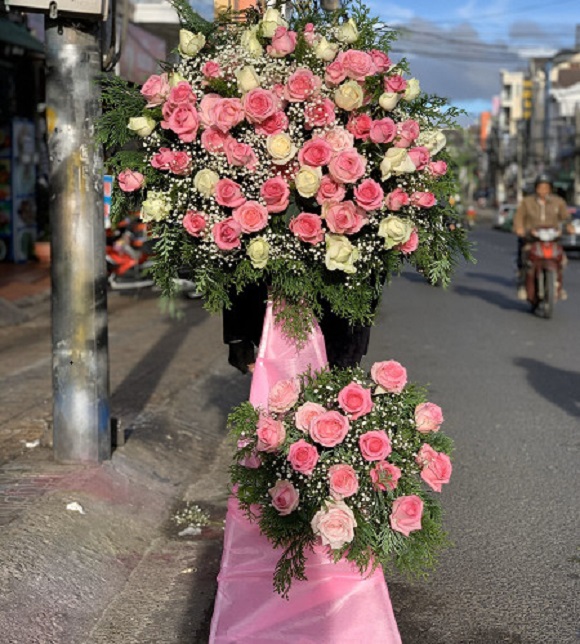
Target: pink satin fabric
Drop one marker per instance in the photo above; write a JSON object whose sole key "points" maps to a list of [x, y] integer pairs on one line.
{"points": [[336, 605]]}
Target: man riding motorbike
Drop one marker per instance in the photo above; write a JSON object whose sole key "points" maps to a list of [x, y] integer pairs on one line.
{"points": [[542, 209]]}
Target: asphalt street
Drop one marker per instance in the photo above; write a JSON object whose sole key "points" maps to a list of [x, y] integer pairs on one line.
{"points": [[509, 385]]}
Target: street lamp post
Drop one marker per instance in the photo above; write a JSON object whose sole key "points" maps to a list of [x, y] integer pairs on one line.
{"points": [[79, 285]]}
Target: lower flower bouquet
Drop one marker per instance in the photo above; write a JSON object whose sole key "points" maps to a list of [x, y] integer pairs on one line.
{"points": [[345, 460]]}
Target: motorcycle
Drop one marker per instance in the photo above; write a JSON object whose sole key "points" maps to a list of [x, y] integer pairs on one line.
{"points": [[544, 262]]}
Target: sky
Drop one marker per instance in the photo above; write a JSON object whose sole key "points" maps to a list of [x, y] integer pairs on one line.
{"points": [[456, 48]]}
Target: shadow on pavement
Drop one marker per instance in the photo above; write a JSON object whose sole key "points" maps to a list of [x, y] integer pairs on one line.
{"points": [[493, 297], [559, 386], [494, 279]]}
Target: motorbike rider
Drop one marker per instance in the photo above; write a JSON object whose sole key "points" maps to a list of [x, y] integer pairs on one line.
{"points": [[541, 209]]}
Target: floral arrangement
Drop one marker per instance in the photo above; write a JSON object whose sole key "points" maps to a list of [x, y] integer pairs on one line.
{"points": [[291, 151], [344, 459]]}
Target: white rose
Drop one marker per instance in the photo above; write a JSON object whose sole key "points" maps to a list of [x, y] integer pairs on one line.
{"points": [[250, 42], [341, 254], [325, 50], [247, 78], [271, 21], [205, 181], [156, 207], [190, 43], [258, 251], [349, 96], [389, 100], [395, 230], [142, 125], [433, 140], [348, 32], [413, 90], [281, 148], [308, 180], [397, 161], [175, 78]]}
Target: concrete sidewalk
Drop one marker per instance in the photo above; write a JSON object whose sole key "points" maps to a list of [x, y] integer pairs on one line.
{"points": [[118, 573]]}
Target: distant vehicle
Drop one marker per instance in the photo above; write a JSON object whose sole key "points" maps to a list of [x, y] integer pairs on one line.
{"points": [[505, 216], [571, 241]]}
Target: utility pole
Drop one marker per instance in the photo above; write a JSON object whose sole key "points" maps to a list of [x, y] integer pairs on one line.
{"points": [[577, 157], [81, 415]]}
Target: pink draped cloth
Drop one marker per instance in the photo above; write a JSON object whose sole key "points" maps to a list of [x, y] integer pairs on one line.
{"points": [[336, 605]]}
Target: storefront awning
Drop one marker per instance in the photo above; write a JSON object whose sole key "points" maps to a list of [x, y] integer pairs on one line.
{"points": [[13, 33]]}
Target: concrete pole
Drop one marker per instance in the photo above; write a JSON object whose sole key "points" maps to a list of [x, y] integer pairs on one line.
{"points": [[81, 415]]}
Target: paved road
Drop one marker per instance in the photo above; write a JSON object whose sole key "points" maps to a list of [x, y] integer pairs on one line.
{"points": [[509, 384]]}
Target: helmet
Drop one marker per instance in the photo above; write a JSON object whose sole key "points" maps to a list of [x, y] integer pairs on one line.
{"points": [[543, 178]]}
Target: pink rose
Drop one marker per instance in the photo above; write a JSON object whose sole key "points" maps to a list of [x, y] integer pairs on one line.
{"points": [[343, 481], [271, 434], [359, 125], [339, 139], [226, 113], [375, 445], [383, 131], [228, 193], [155, 90], [395, 84], [381, 60], [162, 159], [330, 191], [397, 199], [309, 34], [320, 113], [283, 395], [213, 140], [437, 168], [329, 429], [211, 69], [285, 497], [259, 104], [385, 475], [423, 199], [306, 413], [425, 455], [252, 461], [437, 471], [390, 376], [428, 417], [407, 132], [335, 73], [315, 153], [335, 524], [252, 216], [227, 233], [181, 94], [411, 245], [205, 109], [283, 43], [355, 400], [345, 218], [183, 120], [358, 64], [347, 166], [240, 154], [129, 181], [301, 85], [369, 195], [180, 164], [420, 157], [406, 514], [276, 193], [303, 457], [194, 222], [308, 228], [274, 124]]}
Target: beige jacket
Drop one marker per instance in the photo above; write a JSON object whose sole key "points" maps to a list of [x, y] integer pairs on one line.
{"points": [[531, 213]]}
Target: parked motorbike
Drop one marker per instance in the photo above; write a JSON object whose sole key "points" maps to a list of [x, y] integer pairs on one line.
{"points": [[544, 261]]}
